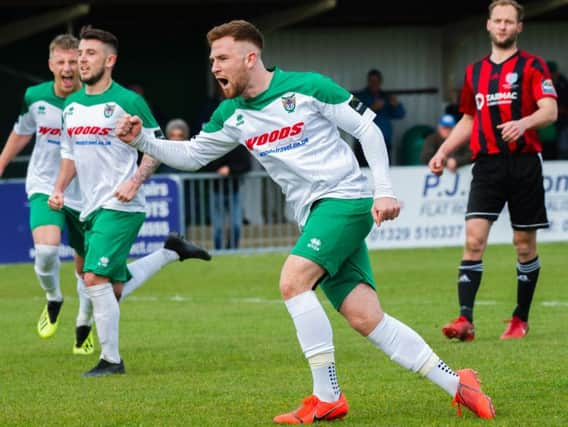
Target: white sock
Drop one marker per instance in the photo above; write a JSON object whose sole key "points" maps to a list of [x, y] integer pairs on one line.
{"points": [[46, 267], [441, 374], [85, 314], [404, 346], [326, 386], [107, 315], [144, 268], [316, 340]]}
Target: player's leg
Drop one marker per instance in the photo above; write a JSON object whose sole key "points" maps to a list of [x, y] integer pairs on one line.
{"points": [[313, 329], [404, 346], [176, 248], [528, 269], [108, 237], [527, 210], [107, 315], [335, 228], [84, 343], [487, 196], [469, 278], [46, 225]]}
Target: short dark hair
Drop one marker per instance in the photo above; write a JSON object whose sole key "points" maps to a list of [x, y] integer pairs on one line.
{"points": [[240, 30], [373, 72], [88, 32]]}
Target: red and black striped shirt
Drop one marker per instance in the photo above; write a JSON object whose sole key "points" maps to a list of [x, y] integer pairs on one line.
{"points": [[498, 93]]}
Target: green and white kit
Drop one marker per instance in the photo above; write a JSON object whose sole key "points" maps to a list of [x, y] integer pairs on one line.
{"points": [[41, 115], [102, 161], [292, 129]]}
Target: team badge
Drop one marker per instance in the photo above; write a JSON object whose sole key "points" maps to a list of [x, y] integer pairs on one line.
{"points": [[548, 87], [511, 79], [109, 110], [41, 109], [68, 112], [240, 120], [289, 102]]}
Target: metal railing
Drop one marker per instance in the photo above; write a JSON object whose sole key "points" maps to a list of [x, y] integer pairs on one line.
{"points": [[248, 213]]}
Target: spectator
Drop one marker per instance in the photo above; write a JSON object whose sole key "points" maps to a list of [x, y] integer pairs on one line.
{"points": [[560, 83], [386, 107], [226, 196], [453, 107], [461, 157], [156, 111], [177, 130]]}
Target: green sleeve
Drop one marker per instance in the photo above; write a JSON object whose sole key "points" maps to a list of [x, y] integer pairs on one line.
{"points": [[140, 108]]}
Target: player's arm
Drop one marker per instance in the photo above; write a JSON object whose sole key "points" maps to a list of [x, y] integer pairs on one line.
{"points": [[546, 114], [190, 155], [14, 145], [128, 189], [351, 115], [385, 206], [66, 174], [67, 169], [459, 136]]}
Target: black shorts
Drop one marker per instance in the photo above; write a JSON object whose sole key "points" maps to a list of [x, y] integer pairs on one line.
{"points": [[512, 179]]}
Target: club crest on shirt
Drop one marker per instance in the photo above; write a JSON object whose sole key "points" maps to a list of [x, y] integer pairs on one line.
{"points": [[109, 110], [511, 79], [289, 102], [41, 109]]}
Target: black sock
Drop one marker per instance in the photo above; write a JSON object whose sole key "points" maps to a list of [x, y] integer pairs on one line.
{"points": [[469, 278], [81, 334], [527, 276]]}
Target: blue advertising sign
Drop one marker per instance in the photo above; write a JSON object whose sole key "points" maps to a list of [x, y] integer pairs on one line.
{"points": [[163, 215]]}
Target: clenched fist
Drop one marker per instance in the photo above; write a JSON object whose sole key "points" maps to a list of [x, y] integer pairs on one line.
{"points": [[128, 128], [385, 209]]}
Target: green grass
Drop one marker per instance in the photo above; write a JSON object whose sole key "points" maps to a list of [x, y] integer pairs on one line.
{"points": [[211, 344]]}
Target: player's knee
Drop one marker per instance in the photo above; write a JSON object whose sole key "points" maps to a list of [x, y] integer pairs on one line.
{"points": [[91, 279], [475, 244], [364, 322], [290, 288], [524, 248], [46, 258]]}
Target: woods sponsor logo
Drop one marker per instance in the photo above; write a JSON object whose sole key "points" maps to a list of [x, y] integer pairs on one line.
{"points": [[275, 135], [49, 131], [88, 130]]}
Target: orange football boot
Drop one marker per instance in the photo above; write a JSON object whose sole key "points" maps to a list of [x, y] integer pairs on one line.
{"points": [[470, 395], [313, 409]]}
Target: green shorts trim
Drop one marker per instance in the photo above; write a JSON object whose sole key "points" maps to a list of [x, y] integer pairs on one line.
{"points": [[334, 238], [41, 214], [109, 235]]}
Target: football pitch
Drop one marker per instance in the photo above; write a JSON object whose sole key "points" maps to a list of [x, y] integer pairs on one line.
{"points": [[211, 344]]}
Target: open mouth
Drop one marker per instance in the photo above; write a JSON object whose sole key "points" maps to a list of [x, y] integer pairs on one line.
{"points": [[67, 80], [223, 82]]}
